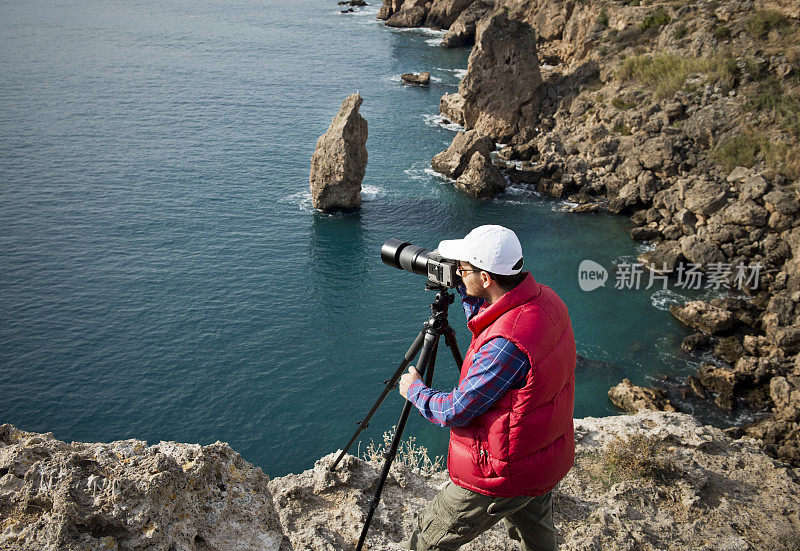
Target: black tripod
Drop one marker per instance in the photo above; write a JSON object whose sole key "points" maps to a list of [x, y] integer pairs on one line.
{"points": [[428, 341]]}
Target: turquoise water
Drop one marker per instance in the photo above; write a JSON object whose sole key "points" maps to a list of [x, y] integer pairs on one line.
{"points": [[162, 273]]}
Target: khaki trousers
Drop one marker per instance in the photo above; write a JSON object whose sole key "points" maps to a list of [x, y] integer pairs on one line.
{"points": [[457, 516]]}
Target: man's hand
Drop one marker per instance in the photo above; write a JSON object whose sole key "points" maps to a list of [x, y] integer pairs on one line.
{"points": [[407, 379]]}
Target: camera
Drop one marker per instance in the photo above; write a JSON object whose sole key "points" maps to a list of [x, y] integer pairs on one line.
{"points": [[405, 256]]}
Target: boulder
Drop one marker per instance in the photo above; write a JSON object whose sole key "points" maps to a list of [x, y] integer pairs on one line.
{"points": [[723, 381], [417, 78], [786, 338], [745, 213], [656, 154], [443, 13], [700, 251], [695, 341], [633, 398], [452, 107], [340, 159], [502, 80], [703, 316], [748, 182], [412, 13], [481, 178], [705, 197], [666, 256], [462, 31], [785, 398], [454, 160]]}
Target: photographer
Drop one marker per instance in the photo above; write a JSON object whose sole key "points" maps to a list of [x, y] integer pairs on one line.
{"points": [[511, 437]]}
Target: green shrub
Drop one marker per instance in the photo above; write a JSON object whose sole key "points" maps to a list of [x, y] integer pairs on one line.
{"points": [[634, 3], [745, 148], [763, 21], [636, 458], [666, 73], [622, 129], [621, 104], [722, 32], [655, 19], [680, 31], [603, 19]]}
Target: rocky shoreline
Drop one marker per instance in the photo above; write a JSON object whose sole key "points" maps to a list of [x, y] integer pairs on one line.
{"points": [[652, 480], [684, 116]]}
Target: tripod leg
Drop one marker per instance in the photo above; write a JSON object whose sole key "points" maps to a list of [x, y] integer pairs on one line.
{"points": [[390, 384], [432, 362], [425, 357], [450, 340]]}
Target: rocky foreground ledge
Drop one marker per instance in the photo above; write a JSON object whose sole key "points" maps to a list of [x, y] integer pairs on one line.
{"points": [[653, 480]]}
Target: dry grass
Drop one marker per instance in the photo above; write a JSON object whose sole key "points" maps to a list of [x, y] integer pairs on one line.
{"points": [[666, 73], [638, 457], [409, 454]]}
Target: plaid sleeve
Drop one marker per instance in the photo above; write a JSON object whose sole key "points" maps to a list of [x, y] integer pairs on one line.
{"points": [[471, 304], [497, 367]]}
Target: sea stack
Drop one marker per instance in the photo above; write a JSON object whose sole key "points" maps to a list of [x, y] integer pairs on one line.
{"points": [[340, 159]]}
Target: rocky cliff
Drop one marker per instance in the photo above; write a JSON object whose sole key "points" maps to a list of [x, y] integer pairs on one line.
{"points": [[340, 159], [683, 116], [647, 481]]}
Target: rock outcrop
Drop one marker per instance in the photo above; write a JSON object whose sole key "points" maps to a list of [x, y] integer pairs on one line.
{"points": [[412, 13], [462, 31], [500, 89], [128, 495], [633, 398], [453, 161], [443, 13], [679, 115], [340, 159], [651, 480], [481, 178], [417, 78]]}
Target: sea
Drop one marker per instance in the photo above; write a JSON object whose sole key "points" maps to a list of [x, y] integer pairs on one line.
{"points": [[164, 276]]}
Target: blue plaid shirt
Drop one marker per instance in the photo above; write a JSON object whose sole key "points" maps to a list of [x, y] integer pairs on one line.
{"points": [[497, 367]]}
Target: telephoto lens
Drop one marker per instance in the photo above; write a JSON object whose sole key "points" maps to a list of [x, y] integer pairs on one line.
{"points": [[411, 258]]}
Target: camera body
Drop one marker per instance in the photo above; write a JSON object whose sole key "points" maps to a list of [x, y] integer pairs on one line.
{"points": [[405, 256]]}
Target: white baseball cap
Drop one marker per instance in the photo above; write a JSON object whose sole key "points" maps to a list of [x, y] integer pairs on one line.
{"points": [[492, 248]]}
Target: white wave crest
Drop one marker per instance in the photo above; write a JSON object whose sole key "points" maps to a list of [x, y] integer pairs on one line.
{"points": [[664, 298], [301, 199], [438, 121], [371, 193]]}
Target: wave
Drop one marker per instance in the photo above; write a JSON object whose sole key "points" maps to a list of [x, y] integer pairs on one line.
{"points": [[301, 199], [664, 298], [371, 193], [437, 121], [422, 31]]}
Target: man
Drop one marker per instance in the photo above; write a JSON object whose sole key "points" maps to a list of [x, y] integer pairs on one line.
{"points": [[511, 437]]}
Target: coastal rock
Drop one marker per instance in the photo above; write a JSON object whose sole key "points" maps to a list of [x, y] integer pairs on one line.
{"points": [[462, 31], [700, 252], [665, 257], [722, 381], [452, 107], [704, 197], [636, 478], [703, 316], [340, 159], [481, 178], [454, 160], [502, 80], [128, 495], [443, 13], [412, 13], [417, 78], [745, 213], [388, 8], [633, 398]]}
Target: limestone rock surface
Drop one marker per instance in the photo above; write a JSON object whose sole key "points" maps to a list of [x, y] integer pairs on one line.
{"points": [[340, 159]]}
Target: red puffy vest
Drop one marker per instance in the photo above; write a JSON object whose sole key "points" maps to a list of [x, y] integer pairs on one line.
{"points": [[525, 443]]}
